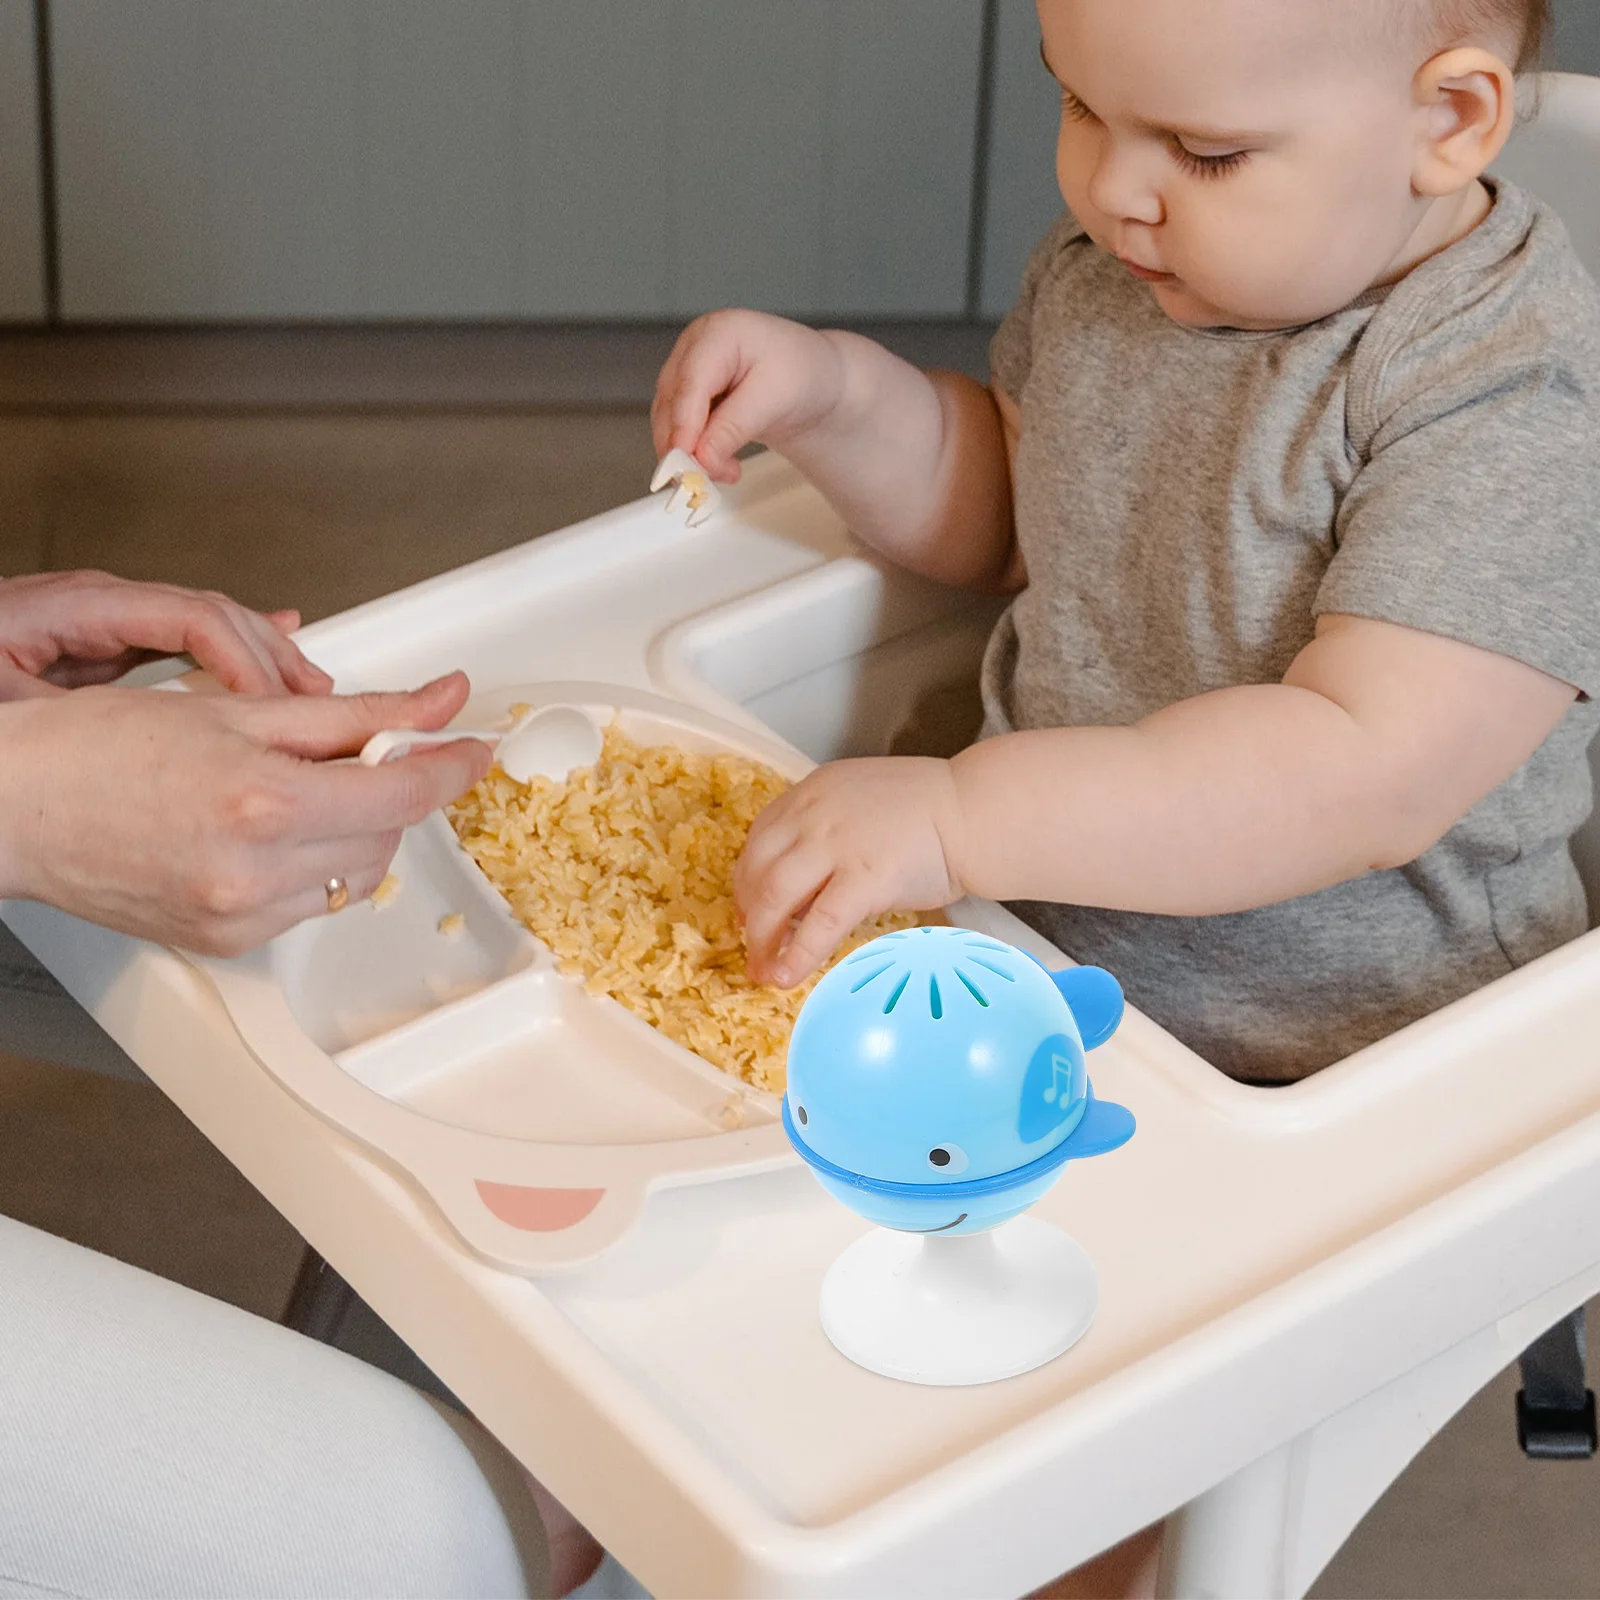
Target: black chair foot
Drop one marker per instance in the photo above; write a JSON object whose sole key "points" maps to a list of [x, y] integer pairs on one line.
{"points": [[1555, 1408]]}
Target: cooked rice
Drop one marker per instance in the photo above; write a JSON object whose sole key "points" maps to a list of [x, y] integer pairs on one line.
{"points": [[386, 893], [625, 871]]}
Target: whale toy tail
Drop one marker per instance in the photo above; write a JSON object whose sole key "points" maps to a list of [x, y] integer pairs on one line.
{"points": [[1106, 1126]]}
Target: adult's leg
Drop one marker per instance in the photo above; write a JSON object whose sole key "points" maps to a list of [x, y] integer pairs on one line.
{"points": [[154, 1442]]}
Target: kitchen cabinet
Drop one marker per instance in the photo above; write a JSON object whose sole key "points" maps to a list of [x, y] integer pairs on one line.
{"points": [[1576, 46], [1021, 197], [440, 159], [22, 261]]}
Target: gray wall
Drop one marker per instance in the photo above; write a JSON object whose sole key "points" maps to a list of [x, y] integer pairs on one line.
{"points": [[1577, 40], [22, 291], [345, 159]]}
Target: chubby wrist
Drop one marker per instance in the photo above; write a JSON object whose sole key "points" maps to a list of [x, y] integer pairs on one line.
{"points": [[953, 819], [854, 390], [983, 825]]}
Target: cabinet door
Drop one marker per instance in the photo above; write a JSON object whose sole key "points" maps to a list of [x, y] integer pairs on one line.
{"points": [[513, 158], [22, 291], [1576, 46], [1023, 199]]}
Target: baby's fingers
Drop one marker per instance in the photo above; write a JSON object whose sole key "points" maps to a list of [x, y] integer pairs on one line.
{"points": [[727, 381], [844, 902], [772, 835], [773, 899], [704, 364]]}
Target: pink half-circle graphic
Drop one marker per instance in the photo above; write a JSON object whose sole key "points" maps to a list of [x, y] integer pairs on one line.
{"points": [[538, 1210]]}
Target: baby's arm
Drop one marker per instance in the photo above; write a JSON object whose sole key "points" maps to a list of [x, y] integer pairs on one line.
{"points": [[916, 463], [1378, 740]]}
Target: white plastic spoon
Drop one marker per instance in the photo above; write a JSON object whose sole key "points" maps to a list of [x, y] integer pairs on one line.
{"points": [[546, 742]]}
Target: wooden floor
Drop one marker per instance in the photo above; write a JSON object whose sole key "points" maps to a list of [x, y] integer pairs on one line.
{"points": [[320, 511]]}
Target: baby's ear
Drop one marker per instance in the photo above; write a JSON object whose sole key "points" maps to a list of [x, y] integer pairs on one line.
{"points": [[1468, 100]]}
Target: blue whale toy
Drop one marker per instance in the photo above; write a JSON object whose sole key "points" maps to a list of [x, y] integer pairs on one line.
{"points": [[937, 1082]]}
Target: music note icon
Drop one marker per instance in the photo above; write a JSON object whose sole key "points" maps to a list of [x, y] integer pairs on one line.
{"points": [[1052, 1088], [1060, 1080]]}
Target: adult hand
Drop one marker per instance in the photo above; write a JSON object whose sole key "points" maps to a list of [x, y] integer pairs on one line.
{"points": [[213, 822], [63, 630]]}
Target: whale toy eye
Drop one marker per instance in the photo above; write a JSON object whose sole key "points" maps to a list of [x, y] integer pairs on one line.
{"points": [[947, 1159], [800, 1115]]}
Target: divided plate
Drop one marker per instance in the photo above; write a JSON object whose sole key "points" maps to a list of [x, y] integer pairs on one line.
{"points": [[536, 1117]]}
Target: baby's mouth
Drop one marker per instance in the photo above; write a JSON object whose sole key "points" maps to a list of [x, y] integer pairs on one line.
{"points": [[1147, 274]]}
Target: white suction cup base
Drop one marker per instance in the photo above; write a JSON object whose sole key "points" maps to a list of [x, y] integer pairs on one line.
{"points": [[968, 1308]]}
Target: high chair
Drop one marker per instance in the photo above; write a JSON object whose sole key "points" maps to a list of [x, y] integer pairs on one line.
{"points": [[612, 1256], [1558, 158]]}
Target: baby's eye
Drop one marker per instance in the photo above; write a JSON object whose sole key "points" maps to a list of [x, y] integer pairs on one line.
{"points": [[1208, 166], [1073, 108], [947, 1158]]}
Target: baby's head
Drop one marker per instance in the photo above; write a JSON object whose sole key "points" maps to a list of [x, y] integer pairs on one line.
{"points": [[1272, 160]]}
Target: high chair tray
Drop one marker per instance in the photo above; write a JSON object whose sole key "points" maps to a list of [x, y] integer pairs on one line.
{"points": [[1270, 1261]]}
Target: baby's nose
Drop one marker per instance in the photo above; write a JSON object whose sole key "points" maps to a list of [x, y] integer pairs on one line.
{"points": [[1123, 187]]}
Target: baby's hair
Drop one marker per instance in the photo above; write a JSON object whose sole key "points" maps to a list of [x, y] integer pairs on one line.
{"points": [[1527, 21]]}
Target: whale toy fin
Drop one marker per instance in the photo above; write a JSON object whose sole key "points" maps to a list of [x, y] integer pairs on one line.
{"points": [[1106, 1126], [1095, 1000]]}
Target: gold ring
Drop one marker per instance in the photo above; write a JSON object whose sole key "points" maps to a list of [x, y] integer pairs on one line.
{"points": [[338, 893]]}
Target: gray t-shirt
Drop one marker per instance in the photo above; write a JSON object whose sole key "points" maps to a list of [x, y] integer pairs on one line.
{"points": [[1190, 501]]}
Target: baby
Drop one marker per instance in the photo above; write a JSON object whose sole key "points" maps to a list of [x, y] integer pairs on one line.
{"points": [[1291, 460]]}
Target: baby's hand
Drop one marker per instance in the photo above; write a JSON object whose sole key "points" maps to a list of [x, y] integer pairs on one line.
{"points": [[738, 376], [853, 840]]}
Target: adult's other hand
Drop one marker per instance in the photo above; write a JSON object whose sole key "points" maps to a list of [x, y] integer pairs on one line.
{"points": [[63, 630]]}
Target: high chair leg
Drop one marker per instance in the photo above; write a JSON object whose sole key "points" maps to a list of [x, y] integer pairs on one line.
{"points": [[1555, 1407], [1234, 1539], [1270, 1529]]}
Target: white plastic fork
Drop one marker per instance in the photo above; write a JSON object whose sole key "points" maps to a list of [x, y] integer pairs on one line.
{"points": [[692, 488]]}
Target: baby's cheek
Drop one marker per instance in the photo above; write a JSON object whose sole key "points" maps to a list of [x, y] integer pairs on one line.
{"points": [[1074, 169], [1237, 264]]}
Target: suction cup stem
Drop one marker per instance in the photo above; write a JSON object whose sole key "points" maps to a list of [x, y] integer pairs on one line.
{"points": [[960, 1309]]}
